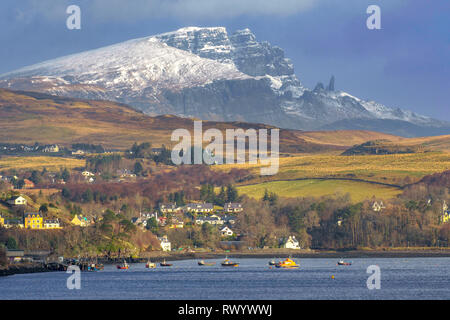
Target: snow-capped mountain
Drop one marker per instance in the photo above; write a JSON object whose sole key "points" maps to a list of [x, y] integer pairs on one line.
{"points": [[210, 74]]}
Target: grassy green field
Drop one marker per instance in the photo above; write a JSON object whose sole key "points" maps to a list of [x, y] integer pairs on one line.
{"points": [[391, 169], [38, 163], [315, 188]]}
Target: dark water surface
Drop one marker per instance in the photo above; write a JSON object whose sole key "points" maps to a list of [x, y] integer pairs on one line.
{"points": [[401, 278]]}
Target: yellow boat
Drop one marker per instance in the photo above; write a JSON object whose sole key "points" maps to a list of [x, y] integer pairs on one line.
{"points": [[150, 265], [287, 264]]}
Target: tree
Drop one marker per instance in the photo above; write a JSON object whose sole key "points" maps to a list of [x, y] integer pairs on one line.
{"points": [[138, 168], [221, 198], [11, 243], [66, 193], [35, 177], [18, 184], [232, 194], [87, 196], [152, 225], [43, 209], [65, 175]]}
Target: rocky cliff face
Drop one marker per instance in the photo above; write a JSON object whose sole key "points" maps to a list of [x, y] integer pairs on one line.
{"points": [[211, 74]]}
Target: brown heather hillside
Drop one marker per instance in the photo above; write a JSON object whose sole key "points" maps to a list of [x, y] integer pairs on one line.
{"points": [[28, 117]]}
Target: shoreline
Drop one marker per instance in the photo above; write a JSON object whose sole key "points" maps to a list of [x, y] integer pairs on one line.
{"points": [[159, 256]]}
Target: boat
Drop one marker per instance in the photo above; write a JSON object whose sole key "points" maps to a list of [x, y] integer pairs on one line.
{"points": [[343, 263], [272, 262], [203, 263], [228, 263], [287, 264], [95, 267], [165, 264], [150, 265], [123, 266]]}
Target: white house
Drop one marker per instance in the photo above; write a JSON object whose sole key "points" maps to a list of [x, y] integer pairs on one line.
{"points": [[17, 201], [226, 232], [52, 224], [87, 174], [51, 148], [213, 219], [78, 152], [291, 243], [169, 208], [164, 243], [199, 207], [233, 207]]}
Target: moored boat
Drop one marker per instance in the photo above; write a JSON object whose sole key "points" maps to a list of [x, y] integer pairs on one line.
{"points": [[123, 266], [228, 263], [203, 263], [343, 263], [150, 265], [287, 264], [165, 264]]}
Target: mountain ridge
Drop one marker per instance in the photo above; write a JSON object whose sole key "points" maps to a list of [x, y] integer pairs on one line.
{"points": [[213, 75]]}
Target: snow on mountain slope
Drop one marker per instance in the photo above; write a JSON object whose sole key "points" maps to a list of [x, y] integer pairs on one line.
{"points": [[134, 66], [210, 74]]}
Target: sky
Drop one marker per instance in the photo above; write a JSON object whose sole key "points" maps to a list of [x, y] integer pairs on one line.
{"points": [[404, 64]]}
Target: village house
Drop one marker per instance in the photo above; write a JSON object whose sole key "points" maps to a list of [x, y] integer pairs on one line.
{"points": [[233, 207], [81, 221], [87, 174], [51, 148], [291, 243], [377, 207], [157, 150], [165, 243], [169, 208], [176, 223], [17, 201], [445, 217], [11, 223], [28, 184], [199, 207], [139, 221], [226, 232], [52, 224], [161, 221], [213, 219], [125, 173], [33, 220], [148, 215], [14, 255], [78, 153]]}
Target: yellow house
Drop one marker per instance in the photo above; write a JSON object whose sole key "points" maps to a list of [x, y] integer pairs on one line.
{"points": [[33, 220], [80, 221], [2, 221]]}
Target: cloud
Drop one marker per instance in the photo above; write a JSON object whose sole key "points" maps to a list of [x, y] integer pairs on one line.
{"points": [[138, 10]]}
